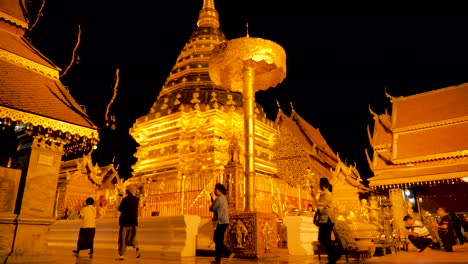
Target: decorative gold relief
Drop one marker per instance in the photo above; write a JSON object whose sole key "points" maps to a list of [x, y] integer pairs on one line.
{"points": [[240, 232], [267, 239]]}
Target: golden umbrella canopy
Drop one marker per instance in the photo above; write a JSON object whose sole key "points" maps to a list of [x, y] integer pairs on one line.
{"points": [[228, 59]]}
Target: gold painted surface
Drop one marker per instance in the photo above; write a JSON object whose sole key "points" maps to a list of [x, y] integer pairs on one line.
{"points": [[228, 60]]}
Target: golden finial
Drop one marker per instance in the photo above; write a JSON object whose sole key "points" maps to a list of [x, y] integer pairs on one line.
{"points": [[292, 107], [278, 104], [208, 16], [247, 27]]}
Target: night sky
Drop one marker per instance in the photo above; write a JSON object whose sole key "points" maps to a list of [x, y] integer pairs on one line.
{"points": [[339, 62]]}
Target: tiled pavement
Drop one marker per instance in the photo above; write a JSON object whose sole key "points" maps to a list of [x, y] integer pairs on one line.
{"points": [[104, 257]]}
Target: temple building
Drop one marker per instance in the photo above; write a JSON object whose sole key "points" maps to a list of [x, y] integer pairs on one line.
{"points": [[193, 137], [420, 151], [40, 123], [79, 179]]}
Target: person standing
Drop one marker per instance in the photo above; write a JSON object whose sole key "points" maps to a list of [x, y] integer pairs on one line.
{"points": [[326, 207], [87, 229], [219, 207], [445, 229], [457, 227], [128, 222], [418, 234]]}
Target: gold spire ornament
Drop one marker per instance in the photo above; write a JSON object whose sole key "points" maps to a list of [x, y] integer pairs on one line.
{"points": [[248, 65]]}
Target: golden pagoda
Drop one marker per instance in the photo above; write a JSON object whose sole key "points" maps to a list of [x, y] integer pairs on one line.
{"points": [[195, 130]]}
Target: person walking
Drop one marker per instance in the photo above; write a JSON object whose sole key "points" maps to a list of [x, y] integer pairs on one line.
{"points": [[445, 229], [326, 207], [128, 222], [418, 234], [219, 207], [87, 229]]}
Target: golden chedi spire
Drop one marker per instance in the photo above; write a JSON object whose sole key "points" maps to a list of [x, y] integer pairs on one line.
{"points": [[189, 86], [208, 16]]}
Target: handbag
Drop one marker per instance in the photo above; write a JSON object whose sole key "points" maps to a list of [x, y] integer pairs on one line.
{"points": [[317, 216]]}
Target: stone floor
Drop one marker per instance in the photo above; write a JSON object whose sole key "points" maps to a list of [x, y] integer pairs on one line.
{"points": [[104, 257]]}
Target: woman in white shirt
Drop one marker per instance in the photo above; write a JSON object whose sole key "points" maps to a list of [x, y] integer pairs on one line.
{"points": [[87, 229]]}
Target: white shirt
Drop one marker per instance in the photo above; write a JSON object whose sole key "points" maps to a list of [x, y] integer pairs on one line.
{"points": [[420, 229], [88, 214]]}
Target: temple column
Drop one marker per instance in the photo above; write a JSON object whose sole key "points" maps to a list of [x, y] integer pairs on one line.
{"points": [[39, 160], [398, 208]]}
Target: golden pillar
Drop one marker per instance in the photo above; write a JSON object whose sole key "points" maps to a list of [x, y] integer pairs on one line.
{"points": [[249, 65]]}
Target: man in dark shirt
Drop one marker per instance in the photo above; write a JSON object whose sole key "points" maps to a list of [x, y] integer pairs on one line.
{"points": [[445, 228], [128, 222]]}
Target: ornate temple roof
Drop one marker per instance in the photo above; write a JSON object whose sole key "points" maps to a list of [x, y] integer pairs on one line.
{"points": [[424, 139], [31, 92], [307, 152], [101, 176], [189, 86], [12, 11]]}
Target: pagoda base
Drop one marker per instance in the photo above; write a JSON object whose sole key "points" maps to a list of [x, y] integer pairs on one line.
{"points": [[252, 235], [24, 240]]}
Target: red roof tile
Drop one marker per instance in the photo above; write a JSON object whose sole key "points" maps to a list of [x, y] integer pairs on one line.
{"points": [[19, 46], [28, 91]]}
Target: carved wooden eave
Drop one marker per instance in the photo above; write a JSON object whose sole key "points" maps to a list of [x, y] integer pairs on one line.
{"points": [[419, 175], [28, 119], [14, 20], [48, 69]]}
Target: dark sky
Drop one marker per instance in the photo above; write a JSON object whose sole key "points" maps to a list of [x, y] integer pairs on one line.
{"points": [[339, 62]]}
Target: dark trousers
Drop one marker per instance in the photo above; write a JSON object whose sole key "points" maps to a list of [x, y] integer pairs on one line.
{"points": [[86, 239], [447, 238], [218, 239], [324, 237], [459, 235], [127, 237], [420, 242]]}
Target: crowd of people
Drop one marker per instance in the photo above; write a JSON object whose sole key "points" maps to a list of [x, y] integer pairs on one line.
{"points": [[451, 229]]}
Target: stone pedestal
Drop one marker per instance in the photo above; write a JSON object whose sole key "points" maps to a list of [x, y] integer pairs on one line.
{"points": [[301, 232], [24, 239], [170, 236], [252, 235]]}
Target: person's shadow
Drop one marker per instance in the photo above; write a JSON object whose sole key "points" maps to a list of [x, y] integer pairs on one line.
{"points": [[84, 260], [88, 260]]}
